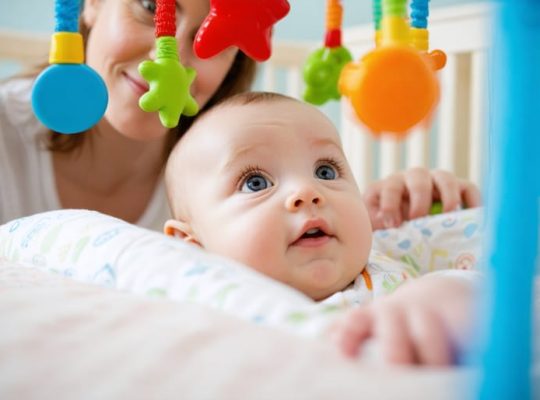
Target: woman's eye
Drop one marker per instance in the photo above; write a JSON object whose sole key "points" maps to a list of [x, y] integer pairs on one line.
{"points": [[149, 5], [255, 183], [326, 172]]}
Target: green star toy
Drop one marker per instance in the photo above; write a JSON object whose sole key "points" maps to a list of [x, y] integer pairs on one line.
{"points": [[169, 84]]}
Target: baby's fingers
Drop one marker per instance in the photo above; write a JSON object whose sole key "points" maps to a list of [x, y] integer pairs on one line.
{"points": [[430, 339], [393, 336], [354, 330]]}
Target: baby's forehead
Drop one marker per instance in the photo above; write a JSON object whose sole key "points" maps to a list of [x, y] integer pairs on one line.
{"points": [[264, 126], [280, 114]]}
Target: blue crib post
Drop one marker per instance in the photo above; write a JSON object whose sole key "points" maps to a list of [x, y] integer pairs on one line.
{"points": [[513, 201]]}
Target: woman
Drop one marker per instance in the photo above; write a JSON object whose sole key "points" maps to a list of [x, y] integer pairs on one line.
{"points": [[116, 166]]}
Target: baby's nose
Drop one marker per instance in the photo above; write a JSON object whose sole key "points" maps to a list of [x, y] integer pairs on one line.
{"points": [[304, 197]]}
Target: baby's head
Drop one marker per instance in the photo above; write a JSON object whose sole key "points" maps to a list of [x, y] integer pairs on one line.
{"points": [[262, 179]]}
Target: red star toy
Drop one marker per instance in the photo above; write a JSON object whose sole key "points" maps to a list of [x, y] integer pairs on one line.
{"points": [[246, 24]]}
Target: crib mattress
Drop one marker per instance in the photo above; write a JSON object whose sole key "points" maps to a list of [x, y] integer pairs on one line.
{"points": [[62, 339]]}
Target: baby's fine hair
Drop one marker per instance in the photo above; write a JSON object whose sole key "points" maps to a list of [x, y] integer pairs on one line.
{"points": [[246, 98]]}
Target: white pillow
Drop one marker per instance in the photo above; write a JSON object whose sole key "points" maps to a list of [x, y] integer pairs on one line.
{"points": [[95, 248]]}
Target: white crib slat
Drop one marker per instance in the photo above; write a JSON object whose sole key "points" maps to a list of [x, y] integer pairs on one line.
{"points": [[417, 148], [269, 78], [390, 155], [447, 115], [357, 145], [478, 72], [294, 82]]}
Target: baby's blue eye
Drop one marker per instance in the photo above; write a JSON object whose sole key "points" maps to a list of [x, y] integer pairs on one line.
{"points": [[326, 172], [255, 183]]}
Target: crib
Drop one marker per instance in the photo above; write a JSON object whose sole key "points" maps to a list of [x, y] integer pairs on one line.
{"points": [[453, 143]]}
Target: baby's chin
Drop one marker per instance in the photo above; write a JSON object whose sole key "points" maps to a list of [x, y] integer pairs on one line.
{"points": [[324, 279]]}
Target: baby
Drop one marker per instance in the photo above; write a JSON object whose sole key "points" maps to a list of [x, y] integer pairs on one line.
{"points": [[262, 179]]}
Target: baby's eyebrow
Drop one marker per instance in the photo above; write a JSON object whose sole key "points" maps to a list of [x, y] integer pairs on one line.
{"points": [[326, 142], [240, 153]]}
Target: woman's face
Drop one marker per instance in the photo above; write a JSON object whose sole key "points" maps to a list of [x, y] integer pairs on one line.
{"points": [[122, 36]]}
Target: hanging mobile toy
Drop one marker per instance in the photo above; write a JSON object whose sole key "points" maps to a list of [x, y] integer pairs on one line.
{"points": [[68, 97], [168, 79], [246, 24], [394, 87], [324, 65]]}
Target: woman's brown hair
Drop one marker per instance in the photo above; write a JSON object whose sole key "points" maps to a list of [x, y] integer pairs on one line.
{"points": [[238, 80]]}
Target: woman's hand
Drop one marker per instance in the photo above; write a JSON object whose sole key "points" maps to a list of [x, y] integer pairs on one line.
{"points": [[426, 321], [410, 194]]}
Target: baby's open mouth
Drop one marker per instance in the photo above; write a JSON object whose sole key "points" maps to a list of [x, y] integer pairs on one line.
{"points": [[313, 237], [313, 233]]}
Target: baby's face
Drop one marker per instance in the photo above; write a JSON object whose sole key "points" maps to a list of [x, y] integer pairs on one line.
{"points": [[269, 186]]}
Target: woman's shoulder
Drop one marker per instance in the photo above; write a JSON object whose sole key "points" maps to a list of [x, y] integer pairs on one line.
{"points": [[16, 115]]}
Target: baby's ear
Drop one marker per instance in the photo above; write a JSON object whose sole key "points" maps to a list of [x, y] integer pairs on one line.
{"points": [[181, 230]]}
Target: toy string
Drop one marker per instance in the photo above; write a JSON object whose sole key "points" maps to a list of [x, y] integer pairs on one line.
{"points": [[165, 28], [419, 13], [165, 18], [334, 18], [394, 8], [66, 15], [377, 14]]}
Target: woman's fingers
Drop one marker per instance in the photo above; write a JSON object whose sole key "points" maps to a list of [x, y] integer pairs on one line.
{"points": [[390, 200], [470, 194], [447, 185], [372, 198]]}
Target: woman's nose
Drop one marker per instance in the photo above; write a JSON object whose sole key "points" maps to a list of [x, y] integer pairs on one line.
{"points": [[305, 196]]}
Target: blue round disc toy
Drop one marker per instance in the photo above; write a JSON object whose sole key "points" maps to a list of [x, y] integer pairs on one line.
{"points": [[69, 98]]}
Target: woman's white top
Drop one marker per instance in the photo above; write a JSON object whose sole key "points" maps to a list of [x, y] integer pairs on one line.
{"points": [[27, 182]]}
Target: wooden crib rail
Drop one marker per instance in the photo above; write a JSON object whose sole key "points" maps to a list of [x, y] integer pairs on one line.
{"points": [[23, 48]]}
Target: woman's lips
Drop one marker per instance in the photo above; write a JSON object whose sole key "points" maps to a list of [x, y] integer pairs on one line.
{"points": [[140, 87]]}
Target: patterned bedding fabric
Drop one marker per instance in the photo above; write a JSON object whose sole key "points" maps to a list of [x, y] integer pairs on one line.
{"points": [[93, 248], [93, 307], [62, 339]]}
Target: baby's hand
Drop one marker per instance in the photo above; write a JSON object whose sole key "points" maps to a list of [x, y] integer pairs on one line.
{"points": [[426, 321], [410, 194]]}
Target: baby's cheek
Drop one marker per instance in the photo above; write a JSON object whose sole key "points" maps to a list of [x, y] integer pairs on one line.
{"points": [[230, 239], [359, 230]]}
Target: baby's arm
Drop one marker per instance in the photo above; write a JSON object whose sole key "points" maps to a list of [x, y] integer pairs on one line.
{"points": [[425, 321]]}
